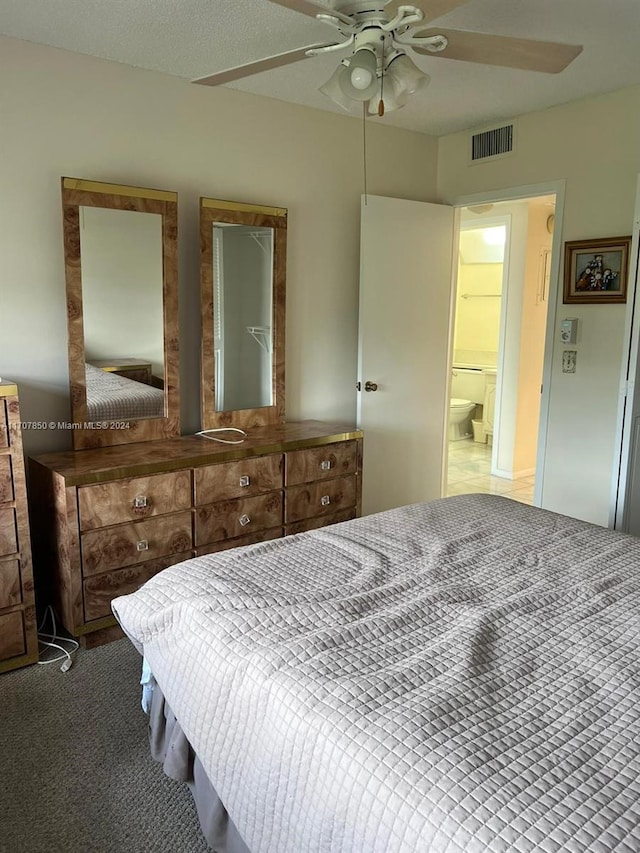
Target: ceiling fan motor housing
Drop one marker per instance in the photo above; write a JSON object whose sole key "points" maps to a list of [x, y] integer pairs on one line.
{"points": [[357, 7]]}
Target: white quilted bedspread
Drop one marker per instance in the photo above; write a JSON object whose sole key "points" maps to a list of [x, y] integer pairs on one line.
{"points": [[111, 397], [456, 676]]}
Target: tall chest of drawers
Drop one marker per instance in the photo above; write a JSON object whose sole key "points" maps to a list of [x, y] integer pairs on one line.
{"points": [[18, 630], [118, 515]]}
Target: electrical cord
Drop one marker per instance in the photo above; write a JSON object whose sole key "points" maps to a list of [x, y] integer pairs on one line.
{"points": [[205, 434], [53, 641]]}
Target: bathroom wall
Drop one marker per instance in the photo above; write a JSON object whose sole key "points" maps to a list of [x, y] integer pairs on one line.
{"points": [[477, 327]]}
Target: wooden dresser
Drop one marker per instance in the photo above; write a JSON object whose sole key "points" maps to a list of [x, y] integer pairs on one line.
{"points": [[118, 515], [131, 368], [18, 630]]}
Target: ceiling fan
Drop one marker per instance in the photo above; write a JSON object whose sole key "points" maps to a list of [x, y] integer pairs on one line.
{"points": [[377, 70]]}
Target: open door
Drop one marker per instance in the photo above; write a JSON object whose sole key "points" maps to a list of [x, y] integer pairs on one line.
{"points": [[406, 269]]}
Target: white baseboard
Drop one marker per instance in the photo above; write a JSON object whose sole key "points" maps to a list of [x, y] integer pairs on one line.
{"points": [[515, 475]]}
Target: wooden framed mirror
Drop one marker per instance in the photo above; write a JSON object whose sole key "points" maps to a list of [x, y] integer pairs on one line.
{"points": [[242, 278], [120, 248]]}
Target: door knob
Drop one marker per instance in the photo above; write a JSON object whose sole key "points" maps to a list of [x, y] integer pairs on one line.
{"points": [[370, 386]]}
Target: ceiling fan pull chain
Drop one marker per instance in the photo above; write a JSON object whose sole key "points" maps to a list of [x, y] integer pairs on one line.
{"points": [[364, 147]]}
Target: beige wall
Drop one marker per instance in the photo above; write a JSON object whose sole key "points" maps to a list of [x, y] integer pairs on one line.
{"points": [[594, 145], [65, 114]]}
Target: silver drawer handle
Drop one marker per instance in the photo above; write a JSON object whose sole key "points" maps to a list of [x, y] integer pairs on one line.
{"points": [[244, 520], [140, 501], [325, 465], [245, 481], [325, 500], [142, 545]]}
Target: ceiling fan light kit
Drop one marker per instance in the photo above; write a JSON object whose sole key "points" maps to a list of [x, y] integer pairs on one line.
{"points": [[358, 76], [378, 72], [403, 72]]}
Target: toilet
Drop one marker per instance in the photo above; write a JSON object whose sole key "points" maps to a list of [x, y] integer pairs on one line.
{"points": [[467, 392], [460, 413]]}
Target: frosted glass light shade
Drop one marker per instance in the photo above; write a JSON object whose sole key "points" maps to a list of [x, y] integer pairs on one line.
{"points": [[405, 75], [358, 80], [392, 100], [333, 90]]}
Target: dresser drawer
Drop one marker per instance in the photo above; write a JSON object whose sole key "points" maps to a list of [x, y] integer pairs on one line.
{"points": [[134, 499], [8, 538], [319, 499], [6, 479], [319, 521], [242, 517], [12, 637], [321, 463], [100, 590], [4, 425], [261, 536], [238, 479], [131, 544], [10, 587]]}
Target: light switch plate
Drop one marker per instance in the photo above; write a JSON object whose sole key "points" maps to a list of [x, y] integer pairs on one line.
{"points": [[569, 358], [568, 331]]}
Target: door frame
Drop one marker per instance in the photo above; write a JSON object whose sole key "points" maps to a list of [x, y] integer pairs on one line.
{"points": [[626, 451], [519, 193]]}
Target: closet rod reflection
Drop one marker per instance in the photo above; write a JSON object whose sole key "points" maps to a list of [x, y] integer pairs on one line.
{"points": [[478, 295]]}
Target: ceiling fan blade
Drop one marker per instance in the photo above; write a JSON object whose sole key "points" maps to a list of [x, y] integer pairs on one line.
{"points": [[549, 57], [249, 68]]}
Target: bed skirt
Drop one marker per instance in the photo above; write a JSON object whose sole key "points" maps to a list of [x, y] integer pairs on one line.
{"points": [[170, 747]]}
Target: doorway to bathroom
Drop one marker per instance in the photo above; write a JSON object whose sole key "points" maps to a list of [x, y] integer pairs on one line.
{"points": [[499, 325]]}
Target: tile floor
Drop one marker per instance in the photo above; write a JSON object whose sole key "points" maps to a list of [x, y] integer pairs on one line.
{"points": [[469, 471]]}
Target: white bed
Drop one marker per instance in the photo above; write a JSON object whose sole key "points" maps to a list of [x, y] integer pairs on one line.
{"points": [[456, 676], [116, 398]]}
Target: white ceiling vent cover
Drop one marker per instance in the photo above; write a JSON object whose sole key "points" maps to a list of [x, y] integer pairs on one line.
{"points": [[489, 144]]}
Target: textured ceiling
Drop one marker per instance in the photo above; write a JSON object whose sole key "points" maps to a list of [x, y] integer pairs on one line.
{"points": [[193, 38]]}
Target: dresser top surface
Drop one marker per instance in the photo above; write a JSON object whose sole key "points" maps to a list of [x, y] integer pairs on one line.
{"points": [[82, 467], [8, 388]]}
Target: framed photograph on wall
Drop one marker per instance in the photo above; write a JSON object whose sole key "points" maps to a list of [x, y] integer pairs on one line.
{"points": [[596, 270]]}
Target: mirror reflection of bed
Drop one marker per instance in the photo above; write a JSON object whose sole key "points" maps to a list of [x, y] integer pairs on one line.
{"points": [[113, 397], [121, 254]]}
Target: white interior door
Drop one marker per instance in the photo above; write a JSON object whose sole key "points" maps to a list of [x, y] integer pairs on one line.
{"points": [[406, 270]]}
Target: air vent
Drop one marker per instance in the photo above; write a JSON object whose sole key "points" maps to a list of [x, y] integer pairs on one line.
{"points": [[492, 143]]}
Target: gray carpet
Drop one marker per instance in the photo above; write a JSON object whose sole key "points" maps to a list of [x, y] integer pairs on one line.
{"points": [[75, 771]]}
